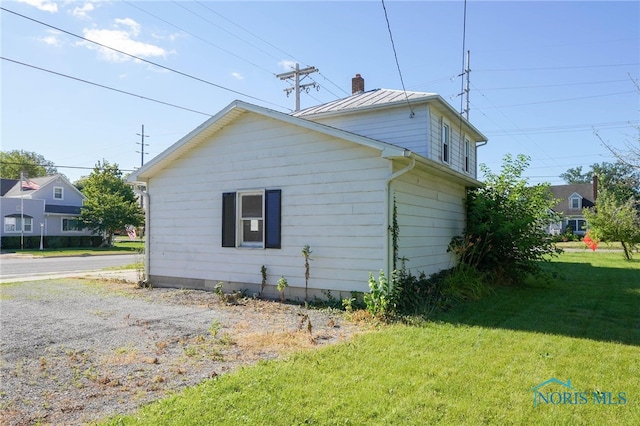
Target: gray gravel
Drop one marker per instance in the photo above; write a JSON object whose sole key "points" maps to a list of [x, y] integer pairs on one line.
{"points": [[78, 350]]}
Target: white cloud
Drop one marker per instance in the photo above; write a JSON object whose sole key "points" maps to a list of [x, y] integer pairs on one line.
{"points": [[52, 39], [45, 5], [287, 65], [81, 12], [121, 38], [133, 25], [237, 76]]}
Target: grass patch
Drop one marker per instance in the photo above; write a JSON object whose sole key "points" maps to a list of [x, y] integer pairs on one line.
{"points": [[476, 364], [606, 245], [119, 247]]}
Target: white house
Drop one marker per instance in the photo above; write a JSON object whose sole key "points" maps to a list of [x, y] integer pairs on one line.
{"points": [[251, 187], [48, 205]]}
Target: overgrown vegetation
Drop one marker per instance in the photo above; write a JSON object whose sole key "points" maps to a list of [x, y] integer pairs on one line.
{"points": [[615, 219], [282, 286], [306, 253], [507, 218], [505, 241]]}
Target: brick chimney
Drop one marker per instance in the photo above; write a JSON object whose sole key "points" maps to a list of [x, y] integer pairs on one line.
{"points": [[357, 84], [595, 188]]}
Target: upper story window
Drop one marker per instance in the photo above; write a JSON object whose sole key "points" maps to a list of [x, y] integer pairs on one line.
{"points": [[575, 202], [446, 136], [58, 193], [467, 152]]}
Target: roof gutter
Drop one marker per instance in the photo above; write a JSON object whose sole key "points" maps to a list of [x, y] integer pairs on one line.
{"points": [[147, 210]]}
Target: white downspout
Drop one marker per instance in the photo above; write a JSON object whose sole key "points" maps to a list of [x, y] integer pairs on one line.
{"points": [[389, 210], [146, 206]]}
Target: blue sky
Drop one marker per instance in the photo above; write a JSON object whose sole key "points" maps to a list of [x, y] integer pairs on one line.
{"points": [[544, 75]]}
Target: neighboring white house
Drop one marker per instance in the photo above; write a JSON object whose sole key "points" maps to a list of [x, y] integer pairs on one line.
{"points": [[49, 205], [252, 186], [573, 198]]}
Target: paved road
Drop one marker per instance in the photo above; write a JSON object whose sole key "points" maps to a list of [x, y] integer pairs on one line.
{"points": [[19, 268]]}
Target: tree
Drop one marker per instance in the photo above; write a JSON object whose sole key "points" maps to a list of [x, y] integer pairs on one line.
{"points": [[507, 221], [31, 163], [615, 220], [574, 175], [619, 179], [111, 204], [631, 154]]}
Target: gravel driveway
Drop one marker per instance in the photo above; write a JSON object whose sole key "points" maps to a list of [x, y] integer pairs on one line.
{"points": [[77, 350]]}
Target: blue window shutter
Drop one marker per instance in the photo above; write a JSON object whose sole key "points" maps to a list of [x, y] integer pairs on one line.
{"points": [[272, 219], [229, 219]]}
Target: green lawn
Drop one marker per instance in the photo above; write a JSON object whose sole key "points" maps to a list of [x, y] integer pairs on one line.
{"points": [[120, 246], [476, 364]]}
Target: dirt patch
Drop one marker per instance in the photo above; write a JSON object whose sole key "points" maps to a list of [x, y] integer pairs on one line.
{"points": [[78, 350]]}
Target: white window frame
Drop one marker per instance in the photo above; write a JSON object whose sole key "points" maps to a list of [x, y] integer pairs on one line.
{"points": [[62, 221], [467, 154], [28, 221], [445, 141], [241, 220], [61, 197], [572, 199]]}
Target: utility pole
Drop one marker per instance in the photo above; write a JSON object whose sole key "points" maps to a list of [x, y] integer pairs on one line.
{"points": [[142, 144], [297, 87], [467, 89]]}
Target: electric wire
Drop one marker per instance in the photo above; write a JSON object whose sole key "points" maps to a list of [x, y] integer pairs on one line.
{"points": [[559, 68], [271, 45], [395, 54], [196, 36], [142, 59], [105, 87], [563, 100], [587, 83]]}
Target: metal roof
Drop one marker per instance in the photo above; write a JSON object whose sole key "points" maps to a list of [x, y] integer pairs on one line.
{"points": [[371, 98]]}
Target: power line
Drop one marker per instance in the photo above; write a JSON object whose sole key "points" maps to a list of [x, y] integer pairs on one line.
{"points": [[560, 129], [142, 59], [589, 83], [395, 55], [564, 100], [560, 68], [194, 35], [105, 87], [272, 45], [56, 166]]}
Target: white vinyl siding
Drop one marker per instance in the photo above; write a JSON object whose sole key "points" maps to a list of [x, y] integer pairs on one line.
{"points": [[396, 126], [456, 146], [333, 199], [430, 213]]}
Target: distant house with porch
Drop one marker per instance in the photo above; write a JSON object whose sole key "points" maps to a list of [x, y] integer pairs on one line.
{"points": [[573, 198], [44, 206]]}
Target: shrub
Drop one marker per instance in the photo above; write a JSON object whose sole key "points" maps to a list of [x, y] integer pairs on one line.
{"points": [[506, 224]]}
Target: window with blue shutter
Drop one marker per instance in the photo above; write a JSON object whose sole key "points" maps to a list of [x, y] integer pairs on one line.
{"points": [[272, 218], [251, 219], [229, 219]]}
